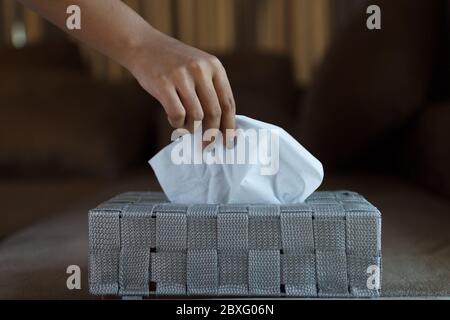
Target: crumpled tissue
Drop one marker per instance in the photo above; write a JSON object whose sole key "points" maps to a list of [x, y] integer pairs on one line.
{"points": [[265, 165]]}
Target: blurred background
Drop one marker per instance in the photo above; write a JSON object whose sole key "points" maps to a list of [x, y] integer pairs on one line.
{"points": [[373, 106], [74, 121], [298, 29]]}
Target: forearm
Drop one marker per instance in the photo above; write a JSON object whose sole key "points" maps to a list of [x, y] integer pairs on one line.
{"points": [[109, 26], [191, 84]]}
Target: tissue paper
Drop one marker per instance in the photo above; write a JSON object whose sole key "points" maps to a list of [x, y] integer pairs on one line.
{"points": [[265, 166]]}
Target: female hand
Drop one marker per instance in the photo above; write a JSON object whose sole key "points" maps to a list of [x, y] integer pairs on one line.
{"points": [[190, 84]]}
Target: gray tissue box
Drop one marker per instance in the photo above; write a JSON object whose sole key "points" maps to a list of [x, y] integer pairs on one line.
{"points": [[142, 245]]}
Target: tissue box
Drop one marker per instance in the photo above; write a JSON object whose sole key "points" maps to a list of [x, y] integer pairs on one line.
{"points": [[329, 246]]}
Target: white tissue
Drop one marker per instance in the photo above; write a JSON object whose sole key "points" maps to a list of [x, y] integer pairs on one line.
{"points": [[291, 179]]}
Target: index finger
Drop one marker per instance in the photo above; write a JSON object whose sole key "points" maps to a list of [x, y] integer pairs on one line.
{"points": [[227, 102]]}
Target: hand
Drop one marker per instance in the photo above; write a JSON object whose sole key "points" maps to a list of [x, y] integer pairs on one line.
{"points": [[190, 84]]}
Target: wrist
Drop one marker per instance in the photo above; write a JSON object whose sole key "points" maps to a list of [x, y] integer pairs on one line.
{"points": [[137, 48]]}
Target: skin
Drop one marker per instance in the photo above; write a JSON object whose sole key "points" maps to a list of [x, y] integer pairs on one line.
{"points": [[190, 84]]}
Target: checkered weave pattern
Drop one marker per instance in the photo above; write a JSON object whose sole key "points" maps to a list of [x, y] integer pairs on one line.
{"points": [[141, 245]]}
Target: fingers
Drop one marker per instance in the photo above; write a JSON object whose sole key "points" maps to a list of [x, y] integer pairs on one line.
{"points": [[175, 110], [211, 108], [210, 103], [200, 93], [216, 97], [192, 105], [227, 104]]}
